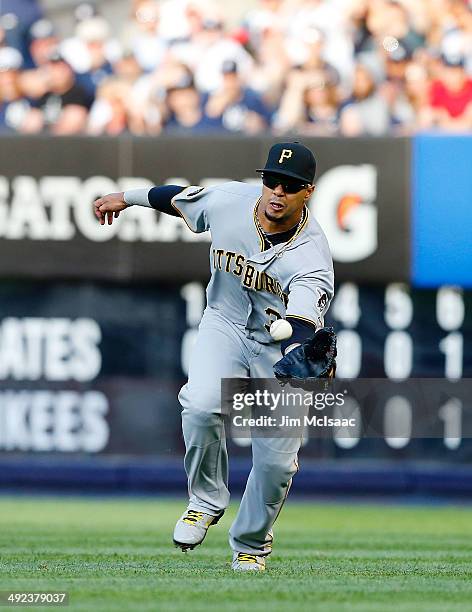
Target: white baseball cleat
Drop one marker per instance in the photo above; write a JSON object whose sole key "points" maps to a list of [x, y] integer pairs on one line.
{"points": [[244, 562], [191, 528]]}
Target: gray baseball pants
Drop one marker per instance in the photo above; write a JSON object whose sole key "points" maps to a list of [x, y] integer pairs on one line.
{"points": [[222, 350]]}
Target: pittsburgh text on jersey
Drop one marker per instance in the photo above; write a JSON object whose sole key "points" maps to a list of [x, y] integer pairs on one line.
{"points": [[251, 278]]}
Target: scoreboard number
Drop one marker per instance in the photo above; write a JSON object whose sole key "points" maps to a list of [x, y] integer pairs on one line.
{"points": [[450, 309], [345, 307], [398, 418], [451, 414], [398, 355], [452, 346], [349, 359], [398, 306]]}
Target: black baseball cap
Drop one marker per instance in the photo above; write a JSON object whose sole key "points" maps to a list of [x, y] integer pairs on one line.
{"points": [[41, 29], [184, 82], [453, 60], [291, 159], [401, 54], [229, 67]]}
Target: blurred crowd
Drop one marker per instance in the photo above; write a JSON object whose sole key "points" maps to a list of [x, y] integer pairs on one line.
{"points": [[314, 67]]}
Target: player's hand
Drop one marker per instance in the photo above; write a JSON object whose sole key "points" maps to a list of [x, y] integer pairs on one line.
{"points": [[109, 207]]}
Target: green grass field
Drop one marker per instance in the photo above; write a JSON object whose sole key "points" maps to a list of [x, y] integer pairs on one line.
{"points": [[117, 555]]}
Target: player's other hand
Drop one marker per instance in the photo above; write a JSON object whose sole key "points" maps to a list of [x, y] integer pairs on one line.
{"points": [[109, 207]]}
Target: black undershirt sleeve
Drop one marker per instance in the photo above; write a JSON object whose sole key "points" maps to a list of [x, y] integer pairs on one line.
{"points": [[301, 331], [160, 198]]}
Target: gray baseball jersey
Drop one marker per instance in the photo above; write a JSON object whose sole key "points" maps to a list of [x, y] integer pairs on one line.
{"points": [[248, 285], [249, 288]]}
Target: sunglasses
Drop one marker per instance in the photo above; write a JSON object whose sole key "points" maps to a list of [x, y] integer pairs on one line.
{"points": [[289, 186]]}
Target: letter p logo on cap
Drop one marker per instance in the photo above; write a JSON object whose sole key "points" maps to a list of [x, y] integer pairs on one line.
{"points": [[286, 154]]}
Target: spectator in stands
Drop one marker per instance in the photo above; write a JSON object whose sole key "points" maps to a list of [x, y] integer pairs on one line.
{"points": [[365, 112], [43, 42], [127, 67], [309, 105], [14, 106], [272, 63], [456, 32], [377, 19], [326, 66], [65, 106], [310, 55], [109, 113], [94, 34], [16, 18], [206, 52], [235, 107], [322, 28], [185, 112], [417, 86], [451, 96], [180, 20], [72, 48], [148, 95], [399, 25], [393, 89], [357, 13], [266, 15], [141, 36]]}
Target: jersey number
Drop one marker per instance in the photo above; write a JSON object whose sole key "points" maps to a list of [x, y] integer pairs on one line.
{"points": [[273, 316]]}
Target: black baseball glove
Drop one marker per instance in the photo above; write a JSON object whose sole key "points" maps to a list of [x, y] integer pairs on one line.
{"points": [[315, 358]]}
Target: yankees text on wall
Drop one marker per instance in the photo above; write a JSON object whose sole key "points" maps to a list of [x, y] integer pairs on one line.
{"points": [[53, 351]]}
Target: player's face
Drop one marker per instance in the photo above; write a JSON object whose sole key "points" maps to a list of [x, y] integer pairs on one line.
{"points": [[282, 202]]}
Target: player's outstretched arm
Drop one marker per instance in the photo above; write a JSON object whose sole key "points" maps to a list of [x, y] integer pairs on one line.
{"points": [[159, 198]]}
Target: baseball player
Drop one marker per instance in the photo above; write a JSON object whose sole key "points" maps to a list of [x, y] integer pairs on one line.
{"points": [[269, 260]]}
